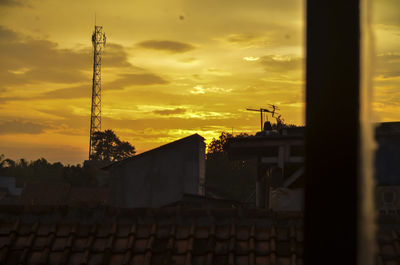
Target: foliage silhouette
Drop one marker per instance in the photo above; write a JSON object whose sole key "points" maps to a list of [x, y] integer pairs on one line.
{"points": [[227, 178], [108, 147], [41, 170], [235, 179]]}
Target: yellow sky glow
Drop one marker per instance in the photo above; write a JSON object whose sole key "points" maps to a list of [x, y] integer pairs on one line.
{"points": [[170, 69]]}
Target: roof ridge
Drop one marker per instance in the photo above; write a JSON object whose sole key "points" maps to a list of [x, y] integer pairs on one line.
{"points": [[162, 147]]}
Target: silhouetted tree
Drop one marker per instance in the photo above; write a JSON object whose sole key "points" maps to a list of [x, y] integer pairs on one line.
{"points": [[108, 147], [233, 179], [217, 146], [280, 124], [41, 170]]}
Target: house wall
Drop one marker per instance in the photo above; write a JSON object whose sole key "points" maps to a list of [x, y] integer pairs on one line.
{"points": [[387, 199], [387, 158], [160, 176], [10, 184]]}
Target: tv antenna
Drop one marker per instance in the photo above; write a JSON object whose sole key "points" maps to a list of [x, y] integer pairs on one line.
{"points": [[272, 109]]}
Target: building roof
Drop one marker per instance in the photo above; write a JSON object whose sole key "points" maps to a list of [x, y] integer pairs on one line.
{"points": [[88, 196], [387, 129], [175, 235], [240, 147], [388, 239], [54, 235], [190, 138], [63, 194], [200, 201], [45, 193]]}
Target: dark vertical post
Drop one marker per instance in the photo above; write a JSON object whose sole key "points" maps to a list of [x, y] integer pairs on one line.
{"points": [[332, 134], [260, 185], [261, 119]]}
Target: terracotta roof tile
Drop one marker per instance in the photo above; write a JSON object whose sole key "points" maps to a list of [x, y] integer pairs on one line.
{"points": [[84, 230], [55, 257], [283, 248], [202, 232], [35, 257], [201, 247], [95, 258], [284, 261], [99, 244], [79, 243], [45, 229], [13, 256], [121, 244], [4, 241], [116, 258], [221, 247], [150, 236], [163, 231], [262, 260], [262, 234], [138, 259], [123, 230], [262, 247], [59, 244]]}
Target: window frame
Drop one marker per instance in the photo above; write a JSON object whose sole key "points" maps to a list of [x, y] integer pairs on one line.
{"points": [[332, 132]]}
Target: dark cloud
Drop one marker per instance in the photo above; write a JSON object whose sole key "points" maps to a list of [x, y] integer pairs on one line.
{"points": [[25, 60], [125, 80], [13, 3], [170, 111], [171, 123], [7, 35], [274, 64], [260, 17], [166, 45], [239, 8], [115, 55], [68, 155], [188, 60], [388, 65], [386, 12], [277, 35], [69, 121], [83, 91], [3, 91], [243, 38], [20, 126]]}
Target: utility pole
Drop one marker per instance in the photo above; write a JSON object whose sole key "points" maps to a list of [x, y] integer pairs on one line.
{"points": [[98, 41]]}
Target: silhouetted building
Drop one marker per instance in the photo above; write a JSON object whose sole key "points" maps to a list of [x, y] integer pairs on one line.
{"points": [[160, 176], [9, 192], [387, 157], [387, 168], [280, 166]]}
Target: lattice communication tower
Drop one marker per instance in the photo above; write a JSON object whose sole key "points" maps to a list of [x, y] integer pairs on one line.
{"points": [[98, 41]]}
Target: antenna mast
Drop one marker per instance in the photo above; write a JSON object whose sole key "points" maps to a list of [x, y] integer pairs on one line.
{"points": [[262, 110], [98, 41]]}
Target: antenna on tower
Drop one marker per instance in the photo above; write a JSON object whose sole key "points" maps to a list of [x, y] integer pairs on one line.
{"points": [[98, 41]]}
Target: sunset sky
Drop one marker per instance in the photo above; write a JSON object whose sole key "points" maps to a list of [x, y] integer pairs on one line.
{"points": [[170, 69]]}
